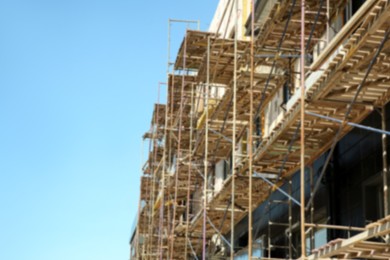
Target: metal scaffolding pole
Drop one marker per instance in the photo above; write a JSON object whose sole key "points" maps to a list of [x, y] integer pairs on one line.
{"points": [[303, 238], [269, 226], [232, 222], [168, 142], [250, 141], [179, 154], [327, 22], [205, 185], [385, 165], [290, 220], [189, 176], [164, 168], [150, 207], [138, 247], [336, 227], [192, 249], [154, 169], [368, 128], [275, 187], [218, 232], [312, 237], [168, 136], [197, 22]]}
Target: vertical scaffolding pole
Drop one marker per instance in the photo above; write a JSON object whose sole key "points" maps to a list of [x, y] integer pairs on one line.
{"points": [[169, 164], [303, 238], [189, 175], [149, 204], [168, 142], [153, 168], [327, 22], [164, 169], [170, 21], [385, 165], [161, 219], [312, 238], [290, 220], [162, 174], [179, 154], [138, 246], [234, 134], [269, 224], [169, 46], [205, 186], [250, 145]]}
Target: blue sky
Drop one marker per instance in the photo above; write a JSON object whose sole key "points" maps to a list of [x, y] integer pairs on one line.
{"points": [[77, 85]]}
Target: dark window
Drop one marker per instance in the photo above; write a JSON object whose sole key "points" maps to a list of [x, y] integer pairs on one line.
{"points": [[351, 8], [373, 201], [286, 93], [356, 4], [226, 169]]}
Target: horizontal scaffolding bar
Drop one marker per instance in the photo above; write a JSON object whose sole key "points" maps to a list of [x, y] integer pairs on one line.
{"points": [[279, 202], [266, 175], [285, 56], [183, 21], [368, 128], [335, 227], [278, 224]]}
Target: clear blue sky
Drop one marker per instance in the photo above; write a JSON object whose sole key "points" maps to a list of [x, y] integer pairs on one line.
{"points": [[78, 79]]}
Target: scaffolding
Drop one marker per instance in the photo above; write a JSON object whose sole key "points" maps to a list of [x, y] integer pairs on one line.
{"points": [[219, 118]]}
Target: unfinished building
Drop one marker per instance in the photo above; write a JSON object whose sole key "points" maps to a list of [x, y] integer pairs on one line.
{"points": [[272, 143]]}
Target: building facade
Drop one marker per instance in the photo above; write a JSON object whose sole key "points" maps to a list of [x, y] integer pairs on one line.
{"points": [[272, 143]]}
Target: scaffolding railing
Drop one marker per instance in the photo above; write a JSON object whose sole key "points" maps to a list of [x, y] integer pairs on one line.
{"points": [[200, 129]]}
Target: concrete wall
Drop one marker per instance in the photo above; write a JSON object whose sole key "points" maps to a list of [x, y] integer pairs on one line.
{"points": [[224, 18], [273, 113], [219, 175], [197, 200]]}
